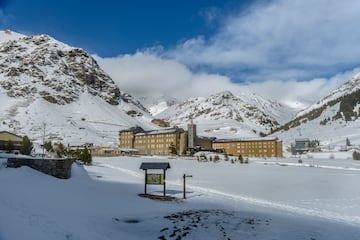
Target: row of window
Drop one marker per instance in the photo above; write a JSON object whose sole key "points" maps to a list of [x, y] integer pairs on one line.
{"points": [[167, 140], [156, 136], [154, 146], [252, 151]]}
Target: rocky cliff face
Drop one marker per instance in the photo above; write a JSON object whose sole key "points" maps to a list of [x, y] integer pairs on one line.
{"points": [[40, 65]]}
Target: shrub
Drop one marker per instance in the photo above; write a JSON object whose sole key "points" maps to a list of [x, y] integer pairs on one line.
{"points": [[85, 156], [241, 159], [356, 155], [48, 147], [60, 150]]}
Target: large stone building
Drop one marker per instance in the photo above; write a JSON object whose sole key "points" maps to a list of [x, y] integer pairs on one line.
{"points": [[178, 141], [157, 142], [259, 147]]}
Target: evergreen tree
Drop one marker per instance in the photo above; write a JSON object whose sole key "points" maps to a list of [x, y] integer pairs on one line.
{"points": [[10, 146], [356, 155], [48, 147], [348, 142], [241, 159], [172, 149], [60, 150], [86, 157], [26, 147]]}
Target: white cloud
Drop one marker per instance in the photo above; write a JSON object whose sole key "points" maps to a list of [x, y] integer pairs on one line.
{"points": [[299, 94], [281, 39], [279, 49], [146, 74]]}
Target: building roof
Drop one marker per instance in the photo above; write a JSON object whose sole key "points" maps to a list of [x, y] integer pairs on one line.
{"points": [[154, 165], [133, 129], [245, 140], [160, 131], [12, 134]]}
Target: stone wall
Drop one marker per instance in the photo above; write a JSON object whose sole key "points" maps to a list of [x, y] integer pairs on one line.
{"points": [[57, 167]]}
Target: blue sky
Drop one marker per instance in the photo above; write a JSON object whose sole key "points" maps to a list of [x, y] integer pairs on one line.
{"points": [[109, 27], [291, 51]]}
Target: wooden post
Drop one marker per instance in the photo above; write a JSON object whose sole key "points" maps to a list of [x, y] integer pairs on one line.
{"points": [[184, 187], [145, 180], [164, 181]]}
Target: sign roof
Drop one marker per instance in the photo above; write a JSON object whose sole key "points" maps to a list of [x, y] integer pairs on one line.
{"points": [[154, 165]]}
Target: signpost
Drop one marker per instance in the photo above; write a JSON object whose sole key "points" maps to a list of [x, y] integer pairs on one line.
{"points": [[155, 178], [184, 184]]}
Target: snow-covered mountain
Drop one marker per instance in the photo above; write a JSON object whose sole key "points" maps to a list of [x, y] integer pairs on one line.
{"points": [[331, 120], [46, 85], [44, 81], [157, 103], [40, 65], [7, 35], [226, 115]]}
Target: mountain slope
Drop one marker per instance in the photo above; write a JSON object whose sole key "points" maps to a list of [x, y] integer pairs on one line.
{"points": [[48, 85], [157, 103], [7, 35], [227, 115], [40, 65], [332, 119]]}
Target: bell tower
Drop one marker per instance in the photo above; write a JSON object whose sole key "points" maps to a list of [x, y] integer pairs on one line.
{"points": [[191, 135]]}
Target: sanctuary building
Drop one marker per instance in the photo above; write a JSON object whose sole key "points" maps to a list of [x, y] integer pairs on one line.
{"points": [[177, 141]]}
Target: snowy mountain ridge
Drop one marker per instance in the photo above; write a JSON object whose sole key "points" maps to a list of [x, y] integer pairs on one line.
{"points": [[40, 65], [49, 86], [224, 112], [350, 86], [157, 103], [7, 35], [333, 119]]}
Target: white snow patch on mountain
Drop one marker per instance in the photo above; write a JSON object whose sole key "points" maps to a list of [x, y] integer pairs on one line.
{"points": [[7, 35]]}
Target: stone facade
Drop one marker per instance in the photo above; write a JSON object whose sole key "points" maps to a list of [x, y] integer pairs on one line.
{"points": [[260, 147], [59, 168]]}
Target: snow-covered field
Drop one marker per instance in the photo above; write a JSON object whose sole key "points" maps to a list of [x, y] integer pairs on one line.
{"points": [[265, 199]]}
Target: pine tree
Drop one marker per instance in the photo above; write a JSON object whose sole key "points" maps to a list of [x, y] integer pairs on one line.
{"points": [[356, 155], [172, 149], [10, 146], [26, 147], [85, 156], [48, 147], [241, 159], [348, 142], [60, 150]]}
